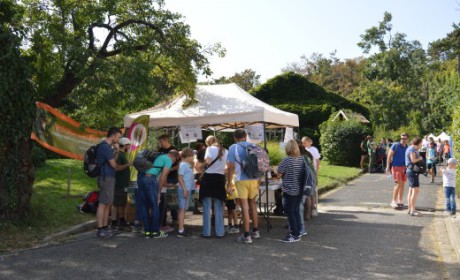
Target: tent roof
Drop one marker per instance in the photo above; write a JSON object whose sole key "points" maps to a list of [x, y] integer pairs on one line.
{"points": [[225, 106]]}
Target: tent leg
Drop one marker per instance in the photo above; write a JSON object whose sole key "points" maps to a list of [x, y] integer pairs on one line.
{"points": [[267, 210]]}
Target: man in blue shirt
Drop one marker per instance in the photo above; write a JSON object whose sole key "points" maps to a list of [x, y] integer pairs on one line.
{"points": [[247, 188], [396, 157], [106, 181]]}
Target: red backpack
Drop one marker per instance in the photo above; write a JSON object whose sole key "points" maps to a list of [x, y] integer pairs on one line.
{"points": [[90, 202]]}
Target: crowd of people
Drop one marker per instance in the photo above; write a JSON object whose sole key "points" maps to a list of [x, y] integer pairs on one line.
{"points": [[222, 181], [406, 161]]}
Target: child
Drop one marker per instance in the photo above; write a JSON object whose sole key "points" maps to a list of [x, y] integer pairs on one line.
{"points": [[186, 185], [233, 226], [448, 181], [431, 160]]}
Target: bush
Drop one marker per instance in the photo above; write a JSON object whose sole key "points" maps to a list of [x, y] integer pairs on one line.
{"points": [[340, 142], [275, 153], [455, 128]]}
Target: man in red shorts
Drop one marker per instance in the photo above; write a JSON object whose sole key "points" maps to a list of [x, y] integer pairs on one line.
{"points": [[396, 157]]}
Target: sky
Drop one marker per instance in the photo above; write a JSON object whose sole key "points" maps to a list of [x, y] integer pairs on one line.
{"points": [[267, 35]]}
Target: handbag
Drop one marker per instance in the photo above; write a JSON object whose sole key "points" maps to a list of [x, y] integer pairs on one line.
{"points": [[419, 167], [206, 167]]}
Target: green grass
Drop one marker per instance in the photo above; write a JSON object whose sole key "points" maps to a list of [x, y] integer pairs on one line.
{"points": [[52, 211], [331, 176]]}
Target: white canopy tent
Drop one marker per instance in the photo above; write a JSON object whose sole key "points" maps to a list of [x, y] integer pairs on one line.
{"points": [[443, 136], [222, 106], [218, 107]]}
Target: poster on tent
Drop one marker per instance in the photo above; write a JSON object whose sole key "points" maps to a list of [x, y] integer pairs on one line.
{"points": [[138, 134], [289, 134], [255, 133], [190, 133], [58, 133]]}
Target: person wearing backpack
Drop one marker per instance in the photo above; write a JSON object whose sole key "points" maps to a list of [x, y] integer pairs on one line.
{"points": [[106, 181], [246, 186], [164, 148], [150, 184]]}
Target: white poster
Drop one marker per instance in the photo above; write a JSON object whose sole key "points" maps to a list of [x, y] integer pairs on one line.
{"points": [[255, 133], [190, 133], [289, 134]]}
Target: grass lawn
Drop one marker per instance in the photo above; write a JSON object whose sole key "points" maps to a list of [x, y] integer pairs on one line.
{"points": [[51, 211], [331, 176]]}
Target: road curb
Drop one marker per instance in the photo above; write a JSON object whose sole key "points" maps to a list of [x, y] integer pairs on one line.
{"points": [[80, 228], [453, 231]]}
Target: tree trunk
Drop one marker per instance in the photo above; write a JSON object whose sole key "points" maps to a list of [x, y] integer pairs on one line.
{"points": [[16, 179], [63, 88]]}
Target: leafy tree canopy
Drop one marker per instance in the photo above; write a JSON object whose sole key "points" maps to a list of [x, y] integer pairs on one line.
{"points": [[247, 79], [107, 50]]}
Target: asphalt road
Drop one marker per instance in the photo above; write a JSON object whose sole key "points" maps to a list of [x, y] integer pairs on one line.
{"points": [[356, 236]]}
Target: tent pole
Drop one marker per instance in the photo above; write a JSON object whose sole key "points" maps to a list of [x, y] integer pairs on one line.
{"points": [[266, 185]]}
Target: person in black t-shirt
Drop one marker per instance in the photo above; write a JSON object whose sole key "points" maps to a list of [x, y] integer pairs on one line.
{"points": [[165, 147]]}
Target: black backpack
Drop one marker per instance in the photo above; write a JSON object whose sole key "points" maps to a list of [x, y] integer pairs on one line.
{"points": [[90, 166], [144, 160]]}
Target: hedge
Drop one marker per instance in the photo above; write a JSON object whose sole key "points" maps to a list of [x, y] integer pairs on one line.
{"points": [[340, 142]]}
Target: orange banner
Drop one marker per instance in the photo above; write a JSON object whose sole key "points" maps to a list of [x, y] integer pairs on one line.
{"points": [[61, 134]]}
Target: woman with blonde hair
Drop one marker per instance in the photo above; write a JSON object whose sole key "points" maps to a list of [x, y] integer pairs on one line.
{"points": [[212, 187], [291, 171]]}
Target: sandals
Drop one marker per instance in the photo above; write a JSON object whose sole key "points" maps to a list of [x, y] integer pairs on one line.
{"points": [[416, 214]]}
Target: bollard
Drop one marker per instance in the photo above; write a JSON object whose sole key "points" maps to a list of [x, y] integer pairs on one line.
{"points": [[69, 173]]}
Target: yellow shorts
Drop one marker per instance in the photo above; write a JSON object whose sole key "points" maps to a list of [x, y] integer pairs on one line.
{"points": [[247, 189]]}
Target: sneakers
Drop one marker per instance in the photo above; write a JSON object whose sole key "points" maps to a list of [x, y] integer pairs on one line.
{"points": [[233, 230], [183, 234], [167, 229], [160, 234], [302, 234], [104, 233], [394, 205], [290, 238], [148, 235], [255, 234], [245, 240]]}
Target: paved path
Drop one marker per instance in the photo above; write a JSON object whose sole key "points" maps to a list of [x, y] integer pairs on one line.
{"points": [[356, 236]]}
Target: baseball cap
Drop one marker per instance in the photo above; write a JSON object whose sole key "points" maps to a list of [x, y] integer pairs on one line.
{"points": [[124, 141], [452, 161]]}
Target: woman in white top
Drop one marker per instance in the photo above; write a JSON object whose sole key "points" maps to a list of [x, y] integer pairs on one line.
{"points": [[212, 188]]}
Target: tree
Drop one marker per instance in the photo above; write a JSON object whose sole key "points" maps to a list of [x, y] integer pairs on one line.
{"points": [[73, 46], [247, 80], [17, 98], [331, 73], [448, 47], [393, 76]]}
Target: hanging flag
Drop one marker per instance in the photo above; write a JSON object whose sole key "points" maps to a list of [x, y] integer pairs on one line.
{"points": [[138, 134], [61, 134]]}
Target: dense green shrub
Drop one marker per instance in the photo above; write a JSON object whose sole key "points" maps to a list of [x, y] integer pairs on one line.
{"points": [[275, 152], [313, 104], [455, 128], [340, 142]]}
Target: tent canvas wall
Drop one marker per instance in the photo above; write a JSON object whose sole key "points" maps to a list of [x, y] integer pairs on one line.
{"points": [[224, 106]]}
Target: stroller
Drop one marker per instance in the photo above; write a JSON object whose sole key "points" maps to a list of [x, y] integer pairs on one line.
{"points": [[381, 160]]}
